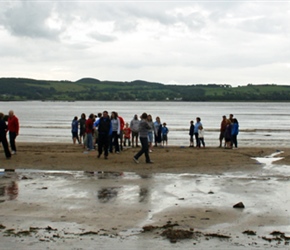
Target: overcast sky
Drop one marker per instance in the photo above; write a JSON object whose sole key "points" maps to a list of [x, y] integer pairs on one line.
{"points": [[171, 42]]}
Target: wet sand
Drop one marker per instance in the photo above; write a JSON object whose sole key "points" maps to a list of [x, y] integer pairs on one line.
{"points": [[187, 196]]}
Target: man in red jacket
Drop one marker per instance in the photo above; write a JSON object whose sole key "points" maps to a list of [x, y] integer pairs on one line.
{"points": [[13, 128]]}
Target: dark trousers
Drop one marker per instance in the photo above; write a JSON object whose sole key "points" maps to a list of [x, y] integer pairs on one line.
{"points": [[6, 147], [114, 141], [12, 137], [103, 142], [234, 141], [144, 149], [197, 140]]}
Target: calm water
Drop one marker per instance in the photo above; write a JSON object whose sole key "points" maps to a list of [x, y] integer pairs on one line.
{"points": [[261, 124]]}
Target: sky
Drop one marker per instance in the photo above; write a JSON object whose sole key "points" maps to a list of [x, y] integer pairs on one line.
{"points": [[169, 42]]}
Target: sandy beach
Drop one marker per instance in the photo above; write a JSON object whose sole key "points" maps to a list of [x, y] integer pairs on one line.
{"points": [[52, 156], [186, 196]]}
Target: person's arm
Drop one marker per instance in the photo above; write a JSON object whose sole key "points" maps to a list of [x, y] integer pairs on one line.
{"points": [[17, 125], [119, 127]]}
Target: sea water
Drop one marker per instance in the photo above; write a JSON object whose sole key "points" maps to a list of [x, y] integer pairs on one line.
{"points": [[261, 123]]}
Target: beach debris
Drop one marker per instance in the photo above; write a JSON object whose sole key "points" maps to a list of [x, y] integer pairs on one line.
{"points": [[2, 227], [221, 236], [239, 205], [177, 234], [89, 233], [249, 232]]}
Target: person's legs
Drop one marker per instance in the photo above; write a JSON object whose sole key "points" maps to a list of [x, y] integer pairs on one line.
{"points": [[106, 145], [197, 140], [144, 144], [6, 148], [90, 141], [12, 137], [141, 151]]}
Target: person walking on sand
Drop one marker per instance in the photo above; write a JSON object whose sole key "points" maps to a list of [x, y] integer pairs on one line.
{"points": [[222, 130], [191, 134], [105, 130], [3, 138], [201, 135], [134, 126], [13, 128], [144, 127], [165, 132]]}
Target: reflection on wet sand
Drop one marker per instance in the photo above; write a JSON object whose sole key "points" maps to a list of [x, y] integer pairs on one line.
{"points": [[8, 190], [107, 194], [181, 204]]}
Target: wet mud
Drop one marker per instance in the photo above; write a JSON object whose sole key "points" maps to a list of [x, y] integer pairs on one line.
{"points": [[77, 210]]}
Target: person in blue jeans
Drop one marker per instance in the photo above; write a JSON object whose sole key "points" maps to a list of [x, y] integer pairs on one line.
{"points": [[144, 127]]}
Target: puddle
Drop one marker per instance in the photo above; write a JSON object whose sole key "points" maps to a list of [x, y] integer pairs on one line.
{"points": [[116, 206]]}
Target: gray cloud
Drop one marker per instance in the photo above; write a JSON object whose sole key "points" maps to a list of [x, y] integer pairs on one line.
{"points": [[28, 19]]}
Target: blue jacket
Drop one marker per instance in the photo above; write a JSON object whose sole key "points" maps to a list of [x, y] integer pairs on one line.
{"points": [[235, 129]]}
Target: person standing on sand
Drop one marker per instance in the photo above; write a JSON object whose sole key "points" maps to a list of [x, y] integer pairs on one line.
{"points": [[127, 135], [165, 132], [228, 135], [196, 126], [114, 140], [191, 134], [3, 139], [82, 123], [13, 128], [134, 126], [74, 130], [222, 130], [144, 127], [90, 131], [122, 125], [157, 131], [235, 132], [201, 135], [105, 130], [150, 133]]}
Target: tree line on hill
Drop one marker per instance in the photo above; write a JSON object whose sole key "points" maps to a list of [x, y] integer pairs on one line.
{"points": [[89, 89]]}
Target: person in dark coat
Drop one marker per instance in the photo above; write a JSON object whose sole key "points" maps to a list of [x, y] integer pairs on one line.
{"points": [[3, 139]]}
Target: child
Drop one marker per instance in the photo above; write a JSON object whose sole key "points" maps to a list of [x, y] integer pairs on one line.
{"points": [[201, 135], [127, 135], [191, 134], [165, 131]]}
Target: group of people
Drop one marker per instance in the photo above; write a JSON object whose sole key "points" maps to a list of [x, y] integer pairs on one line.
{"points": [[111, 133], [9, 123], [229, 130], [196, 131]]}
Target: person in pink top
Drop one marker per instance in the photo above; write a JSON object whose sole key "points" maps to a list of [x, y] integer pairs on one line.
{"points": [[13, 128]]}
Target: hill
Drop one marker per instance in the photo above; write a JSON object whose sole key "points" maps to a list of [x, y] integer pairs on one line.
{"points": [[12, 89]]}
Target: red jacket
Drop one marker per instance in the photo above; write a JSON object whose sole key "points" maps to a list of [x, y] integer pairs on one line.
{"points": [[13, 124], [89, 126]]}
